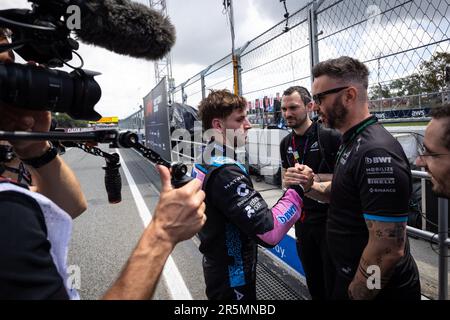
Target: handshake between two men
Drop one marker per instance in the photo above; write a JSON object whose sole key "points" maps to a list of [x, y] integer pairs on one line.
{"points": [[316, 186]]}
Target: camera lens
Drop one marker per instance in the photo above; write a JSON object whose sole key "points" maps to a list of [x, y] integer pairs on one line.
{"points": [[36, 88]]}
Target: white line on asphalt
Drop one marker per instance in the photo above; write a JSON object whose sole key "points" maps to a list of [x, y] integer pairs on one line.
{"points": [[171, 275]]}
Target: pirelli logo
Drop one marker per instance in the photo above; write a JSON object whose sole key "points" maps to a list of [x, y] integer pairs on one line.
{"points": [[381, 181]]}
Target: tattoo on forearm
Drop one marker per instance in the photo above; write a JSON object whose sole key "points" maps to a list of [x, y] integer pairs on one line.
{"points": [[361, 292], [397, 233], [363, 272], [379, 261]]}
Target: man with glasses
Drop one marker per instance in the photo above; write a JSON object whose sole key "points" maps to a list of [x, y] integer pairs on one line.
{"points": [[369, 193], [435, 154]]}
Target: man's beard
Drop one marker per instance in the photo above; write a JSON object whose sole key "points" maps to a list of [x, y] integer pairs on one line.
{"points": [[298, 123], [337, 115], [441, 190]]}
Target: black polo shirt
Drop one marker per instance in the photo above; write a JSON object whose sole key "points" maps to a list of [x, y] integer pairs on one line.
{"points": [[372, 180], [308, 151]]}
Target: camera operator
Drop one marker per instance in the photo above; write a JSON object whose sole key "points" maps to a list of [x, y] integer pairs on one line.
{"points": [[35, 231], [51, 176]]}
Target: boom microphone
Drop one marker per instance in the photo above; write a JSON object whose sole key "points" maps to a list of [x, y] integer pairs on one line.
{"points": [[125, 27]]}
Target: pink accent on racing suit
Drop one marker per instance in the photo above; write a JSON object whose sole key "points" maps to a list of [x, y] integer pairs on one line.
{"points": [[285, 213]]}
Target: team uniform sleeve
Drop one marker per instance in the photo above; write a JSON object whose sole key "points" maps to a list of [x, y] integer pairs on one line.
{"points": [[384, 182], [231, 191], [27, 270]]}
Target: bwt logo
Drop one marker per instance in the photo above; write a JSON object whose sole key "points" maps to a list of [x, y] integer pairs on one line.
{"points": [[283, 219], [377, 160]]}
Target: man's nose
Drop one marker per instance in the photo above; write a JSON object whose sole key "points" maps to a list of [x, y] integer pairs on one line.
{"points": [[420, 162], [247, 124]]}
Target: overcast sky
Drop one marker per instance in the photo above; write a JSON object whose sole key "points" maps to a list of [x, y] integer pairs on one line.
{"points": [[203, 37]]}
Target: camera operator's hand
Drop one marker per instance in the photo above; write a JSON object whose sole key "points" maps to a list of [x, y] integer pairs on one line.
{"points": [[180, 213], [14, 119]]}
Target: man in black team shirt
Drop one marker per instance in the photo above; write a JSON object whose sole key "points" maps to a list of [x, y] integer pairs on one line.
{"points": [[315, 146], [369, 192]]}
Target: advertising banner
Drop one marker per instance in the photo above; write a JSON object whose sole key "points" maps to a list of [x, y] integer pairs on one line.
{"points": [[156, 114]]}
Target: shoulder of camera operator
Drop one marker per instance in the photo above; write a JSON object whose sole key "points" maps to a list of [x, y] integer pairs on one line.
{"points": [[52, 177]]}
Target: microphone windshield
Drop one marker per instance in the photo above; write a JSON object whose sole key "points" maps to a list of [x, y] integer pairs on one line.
{"points": [[127, 28]]}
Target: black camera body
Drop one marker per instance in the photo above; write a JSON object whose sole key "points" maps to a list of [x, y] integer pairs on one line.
{"points": [[41, 35]]}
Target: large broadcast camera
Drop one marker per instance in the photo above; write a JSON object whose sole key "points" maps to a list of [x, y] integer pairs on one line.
{"points": [[43, 35]]}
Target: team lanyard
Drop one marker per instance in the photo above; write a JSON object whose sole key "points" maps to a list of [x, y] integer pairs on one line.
{"points": [[358, 131], [295, 152]]}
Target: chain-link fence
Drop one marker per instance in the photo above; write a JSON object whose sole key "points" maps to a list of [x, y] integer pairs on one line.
{"points": [[404, 43]]}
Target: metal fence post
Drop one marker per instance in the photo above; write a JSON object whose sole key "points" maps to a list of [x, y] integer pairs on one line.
{"points": [[202, 81], [202, 84], [239, 73], [443, 249], [312, 32], [238, 55]]}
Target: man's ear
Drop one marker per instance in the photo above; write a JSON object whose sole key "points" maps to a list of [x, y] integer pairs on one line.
{"points": [[217, 124], [310, 107], [351, 94]]}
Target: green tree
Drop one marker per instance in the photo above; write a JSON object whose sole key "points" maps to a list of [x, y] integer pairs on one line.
{"points": [[430, 77], [378, 92], [411, 85], [65, 121], [433, 72]]}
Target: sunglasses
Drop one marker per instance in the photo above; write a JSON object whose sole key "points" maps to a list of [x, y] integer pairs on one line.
{"points": [[317, 98]]}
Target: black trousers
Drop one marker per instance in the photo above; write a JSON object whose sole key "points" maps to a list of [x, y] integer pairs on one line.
{"points": [[312, 249]]}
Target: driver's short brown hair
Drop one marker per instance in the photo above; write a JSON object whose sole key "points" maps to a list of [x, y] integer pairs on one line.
{"points": [[219, 104]]}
